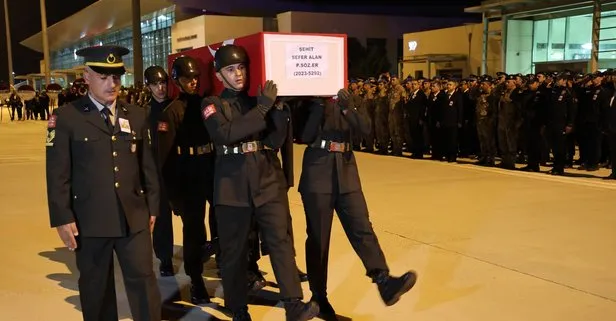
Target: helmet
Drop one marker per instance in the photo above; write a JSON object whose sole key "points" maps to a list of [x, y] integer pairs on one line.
{"points": [[229, 55], [154, 74], [185, 66]]}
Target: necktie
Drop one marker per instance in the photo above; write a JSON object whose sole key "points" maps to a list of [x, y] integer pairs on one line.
{"points": [[107, 116]]}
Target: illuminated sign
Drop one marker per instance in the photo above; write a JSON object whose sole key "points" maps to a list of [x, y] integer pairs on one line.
{"points": [[412, 45]]}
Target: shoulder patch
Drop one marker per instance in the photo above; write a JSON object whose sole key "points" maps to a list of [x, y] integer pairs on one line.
{"points": [[51, 123], [208, 111], [51, 135], [163, 126]]}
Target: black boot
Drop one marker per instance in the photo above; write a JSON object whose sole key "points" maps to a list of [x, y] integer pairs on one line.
{"points": [[326, 311], [256, 281], [392, 288], [241, 314], [297, 310], [166, 267], [198, 292]]}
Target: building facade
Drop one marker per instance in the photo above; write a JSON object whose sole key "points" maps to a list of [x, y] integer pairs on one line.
{"points": [[453, 51], [552, 35]]}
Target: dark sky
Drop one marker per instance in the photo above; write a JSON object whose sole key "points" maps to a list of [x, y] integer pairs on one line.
{"points": [[25, 21]]}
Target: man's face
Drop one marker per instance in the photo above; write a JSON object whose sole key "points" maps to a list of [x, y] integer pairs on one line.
{"points": [[597, 81], [159, 90], [233, 76], [486, 87], [395, 81], [426, 85], [414, 85], [541, 78], [189, 84], [103, 88], [451, 86], [436, 87], [511, 84]]}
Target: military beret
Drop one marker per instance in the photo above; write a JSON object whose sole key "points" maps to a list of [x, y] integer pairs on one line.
{"points": [[500, 74], [487, 78], [105, 60], [511, 77]]}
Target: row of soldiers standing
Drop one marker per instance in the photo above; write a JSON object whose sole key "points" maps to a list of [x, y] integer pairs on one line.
{"points": [[519, 118]]}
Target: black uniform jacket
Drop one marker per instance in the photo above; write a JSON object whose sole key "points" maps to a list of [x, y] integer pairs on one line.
{"points": [[608, 115], [562, 110], [452, 112], [97, 178], [324, 171], [286, 155], [181, 128], [416, 106], [249, 179]]}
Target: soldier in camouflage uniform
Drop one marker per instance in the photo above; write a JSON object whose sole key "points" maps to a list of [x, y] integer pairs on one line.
{"points": [[485, 114], [381, 117]]}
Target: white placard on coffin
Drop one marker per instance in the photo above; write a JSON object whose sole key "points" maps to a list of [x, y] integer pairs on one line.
{"points": [[305, 64]]}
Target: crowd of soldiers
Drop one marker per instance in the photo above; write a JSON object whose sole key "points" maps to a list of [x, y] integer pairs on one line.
{"points": [[518, 118]]}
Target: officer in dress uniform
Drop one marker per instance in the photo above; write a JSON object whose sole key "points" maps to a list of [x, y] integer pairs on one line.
{"points": [[416, 108], [186, 157], [561, 114], [156, 80], [330, 181], [102, 189], [247, 131]]}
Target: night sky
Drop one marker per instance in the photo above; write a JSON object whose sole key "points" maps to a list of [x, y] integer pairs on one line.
{"points": [[27, 61]]}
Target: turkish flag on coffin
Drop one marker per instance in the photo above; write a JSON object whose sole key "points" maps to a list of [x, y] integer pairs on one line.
{"points": [[300, 64]]}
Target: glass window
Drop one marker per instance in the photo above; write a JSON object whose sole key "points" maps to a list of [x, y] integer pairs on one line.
{"points": [[556, 40], [540, 40], [579, 34]]}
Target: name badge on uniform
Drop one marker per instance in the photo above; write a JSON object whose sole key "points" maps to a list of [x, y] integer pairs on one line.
{"points": [[133, 147], [124, 125], [560, 98], [450, 103]]}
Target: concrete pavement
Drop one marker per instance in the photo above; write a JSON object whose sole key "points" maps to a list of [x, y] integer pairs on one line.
{"points": [[487, 244]]}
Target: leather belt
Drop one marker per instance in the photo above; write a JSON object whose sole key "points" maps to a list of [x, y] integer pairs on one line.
{"points": [[242, 148], [332, 146], [196, 150]]}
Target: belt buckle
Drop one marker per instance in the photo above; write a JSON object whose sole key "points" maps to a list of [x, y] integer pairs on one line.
{"points": [[336, 147], [249, 147], [200, 150]]}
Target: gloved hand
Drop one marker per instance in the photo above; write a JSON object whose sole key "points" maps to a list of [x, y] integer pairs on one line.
{"points": [[344, 98], [267, 96]]}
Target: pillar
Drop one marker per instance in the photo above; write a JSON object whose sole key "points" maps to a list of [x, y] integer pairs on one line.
{"points": [[596, 26], [137, 50], [8, 41], [484, 51], [45, 43]]}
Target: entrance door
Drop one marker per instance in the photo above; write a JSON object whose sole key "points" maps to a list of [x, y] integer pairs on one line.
{"points": [[455, 73]]}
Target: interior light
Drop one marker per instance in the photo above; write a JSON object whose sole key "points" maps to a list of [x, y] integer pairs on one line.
{"points": [[587, 46]]}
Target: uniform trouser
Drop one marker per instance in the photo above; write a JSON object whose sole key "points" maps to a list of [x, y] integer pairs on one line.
{"points": [[590, 143], [570, 140], [234, 227], [382, 130], [18, 110], [194, 234], [507, 141], [612, 141], [370, 137], [449, 136], [534, 143], [417, 138], [557, 139], [353, 214], [264, 249], [396, 130], [487, 138], [436, 142], [96, 277], [162, 236]]}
